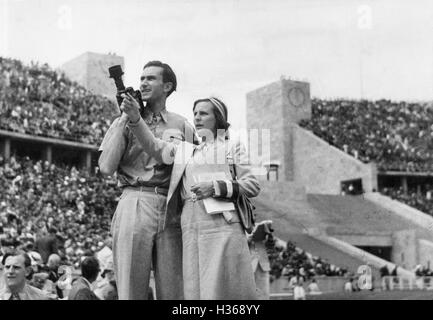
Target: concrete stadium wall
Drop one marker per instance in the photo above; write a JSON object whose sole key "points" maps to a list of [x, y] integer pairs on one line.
{"points": [[425, 253], [76, 69], [404, 248], [321, 167], [399, 208], [359, 254], [407, 250], [265, 111], [91, 71], [273, 107], [281, 191], [365, 239], [303, 157]]}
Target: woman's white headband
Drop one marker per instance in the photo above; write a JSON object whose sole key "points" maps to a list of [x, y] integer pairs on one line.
{"points": [[219, 106]]}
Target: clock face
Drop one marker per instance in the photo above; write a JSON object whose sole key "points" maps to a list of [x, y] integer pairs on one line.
{"points": [[296, 97]]}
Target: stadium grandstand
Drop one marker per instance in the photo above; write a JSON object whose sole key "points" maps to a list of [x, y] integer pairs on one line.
{"points": [[328, 212], [397, 136], [39, 101], [351, 182]]}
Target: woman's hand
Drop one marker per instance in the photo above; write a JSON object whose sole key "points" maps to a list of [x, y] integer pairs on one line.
{"points": [[131, 107], [203, 190]]}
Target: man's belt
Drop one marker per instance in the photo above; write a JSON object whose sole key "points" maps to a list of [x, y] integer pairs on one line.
{"points": [[157, 190]]}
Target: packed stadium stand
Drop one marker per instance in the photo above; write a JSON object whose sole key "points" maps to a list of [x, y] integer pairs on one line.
{"points": [[37, 100], [397, 136], [38, 196]]}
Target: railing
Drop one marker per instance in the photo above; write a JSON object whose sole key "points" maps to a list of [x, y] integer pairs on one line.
{"points": [[55, 135], [281, 286], [405, 283]]}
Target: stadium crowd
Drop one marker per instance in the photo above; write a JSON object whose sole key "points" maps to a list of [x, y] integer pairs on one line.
{"points": [[422, 201], [398, 136], [39, 197], [57, 215], [423, 271], [290, 261], [40, 101]]}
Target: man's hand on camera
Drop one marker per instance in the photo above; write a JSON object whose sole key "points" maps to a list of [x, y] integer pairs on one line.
{"points": [[131, 107]]}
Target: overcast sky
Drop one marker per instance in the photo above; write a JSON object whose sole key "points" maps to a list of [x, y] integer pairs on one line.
{"points": [[372, 49]]}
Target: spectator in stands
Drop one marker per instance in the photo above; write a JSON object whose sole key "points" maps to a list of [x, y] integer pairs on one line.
{"points": [[384, 271], [81, 287], [299, 291], [294, 262], [16, 268], [105, 255], [47, 244], [313, 288], [41, 281], [106, 289], [35, 257], [65, 280], [348, 286], [53, 272]]}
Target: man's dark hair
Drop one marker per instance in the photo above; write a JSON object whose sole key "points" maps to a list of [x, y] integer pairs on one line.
{"points": [[27, 260], [90, 268], [5, 257], [167, 73]]}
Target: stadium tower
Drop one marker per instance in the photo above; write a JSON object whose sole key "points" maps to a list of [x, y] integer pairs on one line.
{"points": [[307, 201], [91, 71]]}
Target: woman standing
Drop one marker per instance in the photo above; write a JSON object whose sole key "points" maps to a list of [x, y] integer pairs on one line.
{"points": [[216, 258]]}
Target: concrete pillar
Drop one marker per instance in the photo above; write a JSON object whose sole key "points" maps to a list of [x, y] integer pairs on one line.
{"points": [[404, 184], [369, 182], [6, 148], [86, 160], [89, 160], [48, 153]]}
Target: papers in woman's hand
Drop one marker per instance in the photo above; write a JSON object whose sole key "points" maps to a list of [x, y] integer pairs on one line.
{"points": [[213, 205]]}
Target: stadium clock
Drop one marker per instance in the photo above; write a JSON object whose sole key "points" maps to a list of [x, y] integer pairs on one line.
{"points": [[296, 97]]}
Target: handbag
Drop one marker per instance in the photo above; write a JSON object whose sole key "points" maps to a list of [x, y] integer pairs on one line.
{"points": [[244, 207]]}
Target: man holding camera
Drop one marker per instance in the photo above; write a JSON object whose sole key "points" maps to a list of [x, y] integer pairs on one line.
{"points": [[143, 234]]}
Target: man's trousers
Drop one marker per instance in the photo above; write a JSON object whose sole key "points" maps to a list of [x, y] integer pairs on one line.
{"points": [[139, 240]]}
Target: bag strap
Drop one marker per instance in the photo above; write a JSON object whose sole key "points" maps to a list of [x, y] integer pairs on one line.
{"points": [[232, 165]]}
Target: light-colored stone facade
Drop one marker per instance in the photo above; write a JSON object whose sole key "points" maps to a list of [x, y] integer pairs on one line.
{"points": [[321, 167], [304, 158], [273, 107], [404, 249], [425, 253], [91, 71]]}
